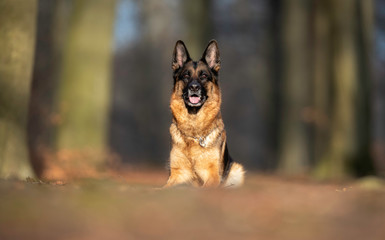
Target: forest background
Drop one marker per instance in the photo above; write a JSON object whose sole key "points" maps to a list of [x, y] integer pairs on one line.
{"points": [[85, 85]]}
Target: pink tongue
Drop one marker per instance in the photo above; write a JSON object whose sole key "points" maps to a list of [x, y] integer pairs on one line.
{"points": [[194, 100]]}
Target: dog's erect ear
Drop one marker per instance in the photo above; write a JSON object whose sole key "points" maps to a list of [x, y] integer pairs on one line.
{"points": [[211, 56], [180, 55]]}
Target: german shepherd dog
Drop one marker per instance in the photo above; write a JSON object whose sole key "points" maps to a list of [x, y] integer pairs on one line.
{"points": [[199, 154]]}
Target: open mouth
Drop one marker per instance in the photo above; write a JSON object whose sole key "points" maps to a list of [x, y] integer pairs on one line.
{"points": [[194, 100]]}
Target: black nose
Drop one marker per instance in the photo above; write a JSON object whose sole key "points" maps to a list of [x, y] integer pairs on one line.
{"points": [[194, 86]]}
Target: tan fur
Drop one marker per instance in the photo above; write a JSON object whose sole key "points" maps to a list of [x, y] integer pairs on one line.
{"points": [[190, 163], [235, 177]]}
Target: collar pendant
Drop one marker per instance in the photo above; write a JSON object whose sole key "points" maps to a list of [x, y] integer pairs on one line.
{"points": [[202, 142]]}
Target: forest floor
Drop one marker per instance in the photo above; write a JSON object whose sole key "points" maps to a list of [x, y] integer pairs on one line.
{"points": [[132, 207]]}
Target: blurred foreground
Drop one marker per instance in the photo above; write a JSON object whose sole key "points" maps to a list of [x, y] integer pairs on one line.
{"points": [[131, 207]]}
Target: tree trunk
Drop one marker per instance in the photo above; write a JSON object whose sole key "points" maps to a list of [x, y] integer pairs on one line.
{"points": [[348, 150], [199, 25], [84, 91], [379, 91], [17, 39], [363, 163], [52, 23], [322, 90], [294, 148]]}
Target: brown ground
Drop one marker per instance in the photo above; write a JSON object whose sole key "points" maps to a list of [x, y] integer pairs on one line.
{"points": [[131, 207]]}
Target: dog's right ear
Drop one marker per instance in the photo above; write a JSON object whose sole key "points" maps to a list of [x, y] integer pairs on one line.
{"points": [[180, 55]]}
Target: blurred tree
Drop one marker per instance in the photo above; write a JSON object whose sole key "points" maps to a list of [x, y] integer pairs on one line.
{"points": [[17, 38], [294, 135], [379, 88], [319, 116], [199, 24], [362, 163], [348, 149], [275, 99], [51, 30], [84, 89]]}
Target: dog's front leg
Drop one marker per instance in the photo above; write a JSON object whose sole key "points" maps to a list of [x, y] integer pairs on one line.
{"points": [[209, 174], [178, 176], [180, 168]]}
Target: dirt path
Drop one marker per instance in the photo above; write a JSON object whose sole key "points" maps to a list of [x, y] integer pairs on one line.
{"points": [[131, 208]]}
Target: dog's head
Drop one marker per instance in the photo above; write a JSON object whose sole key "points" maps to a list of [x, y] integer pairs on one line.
{"points": [[195, 78]]}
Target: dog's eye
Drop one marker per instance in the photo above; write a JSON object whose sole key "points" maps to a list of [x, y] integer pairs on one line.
{"points": [[203, 76], [186, 77]]}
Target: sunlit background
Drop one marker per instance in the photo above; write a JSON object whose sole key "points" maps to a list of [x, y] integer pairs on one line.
{"points": [[85, 85]]}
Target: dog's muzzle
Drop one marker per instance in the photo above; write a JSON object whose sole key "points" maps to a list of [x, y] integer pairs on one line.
{"points": [[195, 95]]}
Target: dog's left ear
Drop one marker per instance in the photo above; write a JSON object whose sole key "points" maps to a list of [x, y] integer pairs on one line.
{"points": [[211, 56]]}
